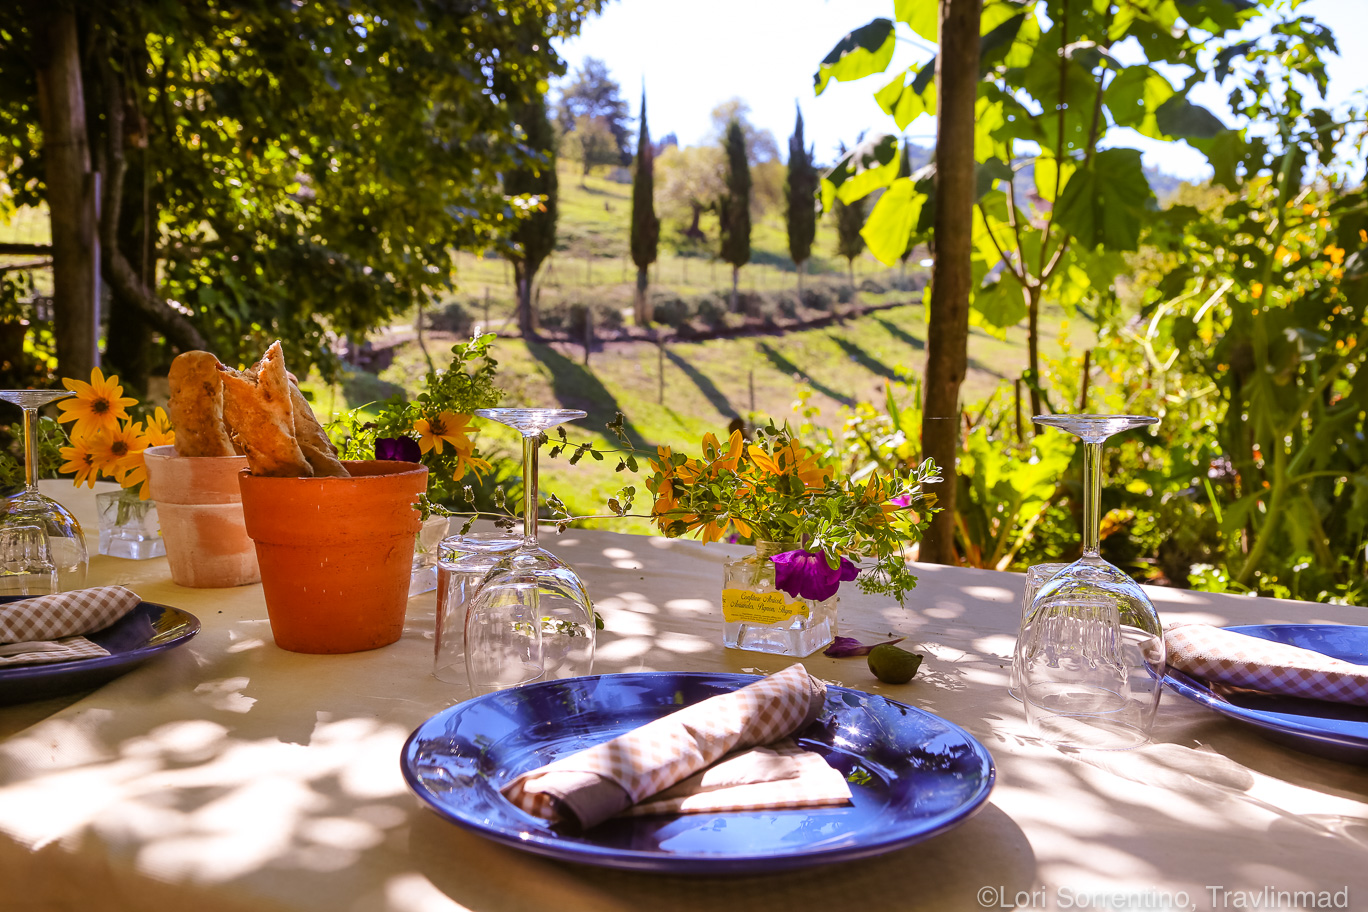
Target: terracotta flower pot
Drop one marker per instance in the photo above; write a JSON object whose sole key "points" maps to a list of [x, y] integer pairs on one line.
{"points": [[200, 507], [336, 554]]}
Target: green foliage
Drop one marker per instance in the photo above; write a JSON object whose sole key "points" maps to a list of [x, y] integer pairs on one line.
{"points": [[800, 193], [645, 225], [308, 169], [734, 205], [1048, 80], [466, 384], [533, 188], [593, 97]]}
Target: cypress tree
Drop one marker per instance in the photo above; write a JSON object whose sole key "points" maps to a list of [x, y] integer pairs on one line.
{"points": [[801, 195], [850, 218], [645, 225], [534, 236], [734, 205]]}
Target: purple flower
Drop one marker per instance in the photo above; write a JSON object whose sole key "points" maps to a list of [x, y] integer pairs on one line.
{"points": [[902, 500], [805, 574], [844, 647], [397, 449]]}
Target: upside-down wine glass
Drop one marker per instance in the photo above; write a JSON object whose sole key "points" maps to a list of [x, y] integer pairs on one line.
{"points": [[531, 618], [42, 549], [1090, 655]]}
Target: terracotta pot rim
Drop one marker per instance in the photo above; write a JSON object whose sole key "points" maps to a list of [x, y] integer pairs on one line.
{"points": [[411, 469], [168, 451]]}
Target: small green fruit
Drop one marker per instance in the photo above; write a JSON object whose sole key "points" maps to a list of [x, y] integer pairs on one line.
{"points": [[893, 665]]}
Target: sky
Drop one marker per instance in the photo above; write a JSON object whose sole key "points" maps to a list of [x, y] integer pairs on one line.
{"points": [[693, 56]]}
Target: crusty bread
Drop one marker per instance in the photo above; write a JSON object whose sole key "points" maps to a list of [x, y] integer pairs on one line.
{"points": [[196, 406], [258, 406]]}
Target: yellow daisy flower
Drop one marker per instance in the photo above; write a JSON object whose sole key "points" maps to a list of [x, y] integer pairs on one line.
{"points": [[81, 461], [98, 405], [445, 428], [111, 451], [159, 431]]}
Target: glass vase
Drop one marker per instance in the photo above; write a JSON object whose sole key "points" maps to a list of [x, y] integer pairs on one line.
{"points": [[758, 617], [425, 548], [128, 526]]}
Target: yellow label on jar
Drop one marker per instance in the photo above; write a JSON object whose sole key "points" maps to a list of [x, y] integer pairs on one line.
{"points": [[759, 607]]}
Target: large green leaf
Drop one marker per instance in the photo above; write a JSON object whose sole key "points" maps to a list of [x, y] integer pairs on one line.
{"points": [[1133, 97], [1182, 119], [1224, 151], [987, 174], [889, 228], [873, 163], [864, 51], [922, 15], [903, 101], [1051, 174], [1105, 202], [1001, 303]]}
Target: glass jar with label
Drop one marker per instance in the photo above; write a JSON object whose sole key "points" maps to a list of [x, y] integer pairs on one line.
{"points": [[760, 618]]}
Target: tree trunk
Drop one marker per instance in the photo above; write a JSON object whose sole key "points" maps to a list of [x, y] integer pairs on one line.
{"points": [[128, 335], [694, 232], [800, 281], [70, 192], [736, 276], [947, 337], [641, 313], [527, 324]]}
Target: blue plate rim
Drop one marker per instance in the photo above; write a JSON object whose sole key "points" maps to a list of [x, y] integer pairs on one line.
{"points": [[1194, 690], [684, 863], [19, 673]]}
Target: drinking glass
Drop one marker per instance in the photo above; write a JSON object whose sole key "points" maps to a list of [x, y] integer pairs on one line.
{"points": [[42, 549], [463, 561], [531, 618], [1090, 654], [1037, 575]]}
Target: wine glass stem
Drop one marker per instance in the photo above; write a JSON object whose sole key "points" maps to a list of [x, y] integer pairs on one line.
{"points": [[31, 448], [531, 444], [1092, 499]]}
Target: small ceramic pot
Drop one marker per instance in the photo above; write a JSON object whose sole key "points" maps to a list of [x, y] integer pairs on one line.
{"points": [[336, 554], [200, 508]]}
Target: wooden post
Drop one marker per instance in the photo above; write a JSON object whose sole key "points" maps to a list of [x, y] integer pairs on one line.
{"points": [[660, 370], [588, 332], [486, 309], [588, 271], [1083, 394], [750, 384]]}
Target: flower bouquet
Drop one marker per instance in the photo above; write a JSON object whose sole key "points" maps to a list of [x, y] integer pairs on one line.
{"points": [[106, 441], [809, 525]]}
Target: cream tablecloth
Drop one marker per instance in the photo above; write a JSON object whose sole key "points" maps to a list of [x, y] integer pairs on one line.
{"points": [[230, 775]]}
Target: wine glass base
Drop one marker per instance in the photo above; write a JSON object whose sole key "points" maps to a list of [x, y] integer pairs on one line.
{"points": [[1084, 716]]}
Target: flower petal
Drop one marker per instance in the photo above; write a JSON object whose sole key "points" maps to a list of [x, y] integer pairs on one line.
{"points": [[844, 647], [804, 574]]}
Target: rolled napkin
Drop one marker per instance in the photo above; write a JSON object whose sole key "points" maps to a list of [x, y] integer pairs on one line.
{"points": [[594, 784], [782, 775], [46, 629], [1234, 659]]}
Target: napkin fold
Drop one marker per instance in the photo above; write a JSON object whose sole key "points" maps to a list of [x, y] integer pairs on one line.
{"points": [[48, 628], [594, 784], [1235, 659]]}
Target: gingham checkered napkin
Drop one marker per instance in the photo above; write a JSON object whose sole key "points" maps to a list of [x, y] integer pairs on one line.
{"points": [[590, 786], [1234, 659], [782, 775], [27, 626]]}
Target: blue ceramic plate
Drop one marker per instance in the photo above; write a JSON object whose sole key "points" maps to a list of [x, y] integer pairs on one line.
{"points": [[142, 633], [913, 775], [1328, 729]]}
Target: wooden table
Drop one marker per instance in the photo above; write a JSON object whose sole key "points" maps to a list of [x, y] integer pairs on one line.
{"points": [[231, 775]]}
